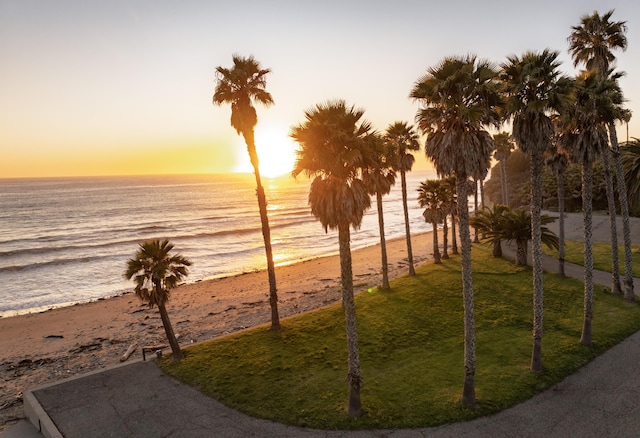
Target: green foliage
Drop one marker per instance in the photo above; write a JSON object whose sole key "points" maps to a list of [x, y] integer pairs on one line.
{"points": [[411, 346]]}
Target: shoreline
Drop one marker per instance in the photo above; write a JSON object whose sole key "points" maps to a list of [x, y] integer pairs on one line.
{"points": [[43, 347], [55, 306]]}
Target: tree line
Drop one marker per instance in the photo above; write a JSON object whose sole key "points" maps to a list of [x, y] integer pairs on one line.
{"points": [[555, 119]]}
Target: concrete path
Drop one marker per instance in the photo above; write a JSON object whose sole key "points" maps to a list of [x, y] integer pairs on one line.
{"points": [[137, 400]]}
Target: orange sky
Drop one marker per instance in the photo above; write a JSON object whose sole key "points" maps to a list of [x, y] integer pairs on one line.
{"points": [[115, 88]]}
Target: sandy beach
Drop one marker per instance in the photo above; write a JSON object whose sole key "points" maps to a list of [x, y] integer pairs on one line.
{"points": [[45, 347]]}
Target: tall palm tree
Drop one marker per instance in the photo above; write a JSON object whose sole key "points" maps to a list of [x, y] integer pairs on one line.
{"points": [[459, 99], [155, 273], [559, 162], [379, 177], [452, 202], [334, 148], [504, 146], [585, 137], [592, 43], [402, 137], [240, 86], [431, 197], [534, 90]]}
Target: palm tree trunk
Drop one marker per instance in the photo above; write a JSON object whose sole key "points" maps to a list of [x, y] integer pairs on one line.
{"points": [[611, 204], [497, 248], [475, 209], [168, 329], [536, 259], [521, 252], [266, 230], [354, 377], [436, 251], [468, 390], [560, 177], [482, 205], [624, 210], [503, 180], [445, 238], [403, 180], [383, 243], [587, 187], [454, 238]]}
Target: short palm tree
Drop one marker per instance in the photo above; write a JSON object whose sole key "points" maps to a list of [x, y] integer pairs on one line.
{"points": [[516, 227], [559, 162], [592, 43], [240, 86], [459, 98], [379, 177], [534, 91], [585, 138], [402, 137], [504, 146], [155, 272], [334, 148], [431, 197], [631, 161], [489, 221]]}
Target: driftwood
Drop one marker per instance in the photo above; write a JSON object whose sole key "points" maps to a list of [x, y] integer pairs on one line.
{"points": [[129, 351]]}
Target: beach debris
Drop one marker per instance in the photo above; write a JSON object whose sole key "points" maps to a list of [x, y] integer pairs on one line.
{"points": [[54, 337], [86, 347], [129, 351]]}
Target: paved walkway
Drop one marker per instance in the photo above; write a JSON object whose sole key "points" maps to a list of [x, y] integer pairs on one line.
{"points": [[138, 400]]}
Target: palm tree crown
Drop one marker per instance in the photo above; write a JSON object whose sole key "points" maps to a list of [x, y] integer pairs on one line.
{"points": [[592, 41], [460, 96], [155, 272], [240, 85]]}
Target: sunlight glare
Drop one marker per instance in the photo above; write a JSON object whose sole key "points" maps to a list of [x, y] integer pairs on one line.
{"points": [[276, 152]]}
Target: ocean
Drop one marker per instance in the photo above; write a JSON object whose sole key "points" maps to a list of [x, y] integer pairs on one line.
{"points": [[67, 240]]}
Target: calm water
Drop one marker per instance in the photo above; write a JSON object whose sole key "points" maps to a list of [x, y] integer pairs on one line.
{"points": [[67, 240]]}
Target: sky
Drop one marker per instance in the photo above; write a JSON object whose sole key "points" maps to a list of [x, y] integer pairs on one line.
{"points": [[124, 87]]}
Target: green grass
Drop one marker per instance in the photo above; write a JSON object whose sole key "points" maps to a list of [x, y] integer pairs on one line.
{"points": [[574, 253], [411, 350]]}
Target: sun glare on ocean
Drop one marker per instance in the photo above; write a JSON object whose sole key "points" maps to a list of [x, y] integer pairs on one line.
{"points": [[276, 152]]}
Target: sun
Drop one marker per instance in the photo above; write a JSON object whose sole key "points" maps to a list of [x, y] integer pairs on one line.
{"points": [[276, 152]]}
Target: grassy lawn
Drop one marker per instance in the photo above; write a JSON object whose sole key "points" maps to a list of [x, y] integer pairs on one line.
{"points": [[574, 253], [411, 350]]}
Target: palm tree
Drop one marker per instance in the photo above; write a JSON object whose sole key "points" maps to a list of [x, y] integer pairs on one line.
{"points": [[516, 226], [489, 222], [379, 177], [240, 86], [448, 187], [402, 137], [452, 203], [155, 273], [534, 89], [592, 43], [459, 98], [558, 162], [333, 150], [631, 161], [431, 195], [504, 146], [585, 137]]}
